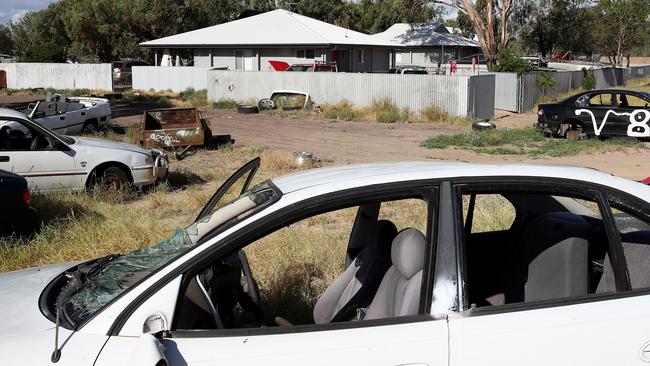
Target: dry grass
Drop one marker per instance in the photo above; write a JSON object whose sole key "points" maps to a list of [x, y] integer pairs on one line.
{"points": [[492, 212], [83, 225]]}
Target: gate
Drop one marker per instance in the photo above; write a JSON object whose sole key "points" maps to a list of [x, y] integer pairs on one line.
{"points": [[3, 79]]}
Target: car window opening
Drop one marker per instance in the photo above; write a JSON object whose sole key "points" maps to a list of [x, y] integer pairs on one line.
{"points": [[343, 265]]}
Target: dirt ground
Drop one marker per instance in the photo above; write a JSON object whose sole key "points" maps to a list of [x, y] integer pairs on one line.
{"points": [[359, 141]]}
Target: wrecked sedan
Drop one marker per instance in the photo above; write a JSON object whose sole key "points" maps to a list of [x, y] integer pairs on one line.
{"points": [[51, 161], [597, 113], [432, 264]]}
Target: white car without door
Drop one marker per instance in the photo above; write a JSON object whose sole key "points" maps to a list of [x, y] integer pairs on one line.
{"points": [[51, 161], [71, 116], [440, 264]]}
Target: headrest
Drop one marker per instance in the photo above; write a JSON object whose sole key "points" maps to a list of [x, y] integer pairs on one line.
{"points": [[381, 238], [407, 252]]}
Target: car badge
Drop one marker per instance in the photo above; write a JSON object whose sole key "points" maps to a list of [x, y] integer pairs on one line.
{"points": [[83, 164]]}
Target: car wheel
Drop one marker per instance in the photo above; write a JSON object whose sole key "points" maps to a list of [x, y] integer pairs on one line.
{"points": [[247, 109], [483, 126], [113, 177], [266, 103], [89, 128]]}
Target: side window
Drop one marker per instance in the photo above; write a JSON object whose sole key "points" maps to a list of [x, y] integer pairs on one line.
{"points": [[631, 101], [15, 136], [528, 247], [635, 239], [239, 60], [601, 100], [298, 275], [492, 212]]}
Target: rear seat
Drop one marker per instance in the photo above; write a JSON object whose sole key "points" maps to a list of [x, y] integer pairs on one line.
{"points": [[636, 247]]}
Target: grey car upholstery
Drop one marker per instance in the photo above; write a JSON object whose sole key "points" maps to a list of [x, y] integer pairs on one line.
{"points": [[553, 259], [636, 247], [356, 287], [399, 292]]}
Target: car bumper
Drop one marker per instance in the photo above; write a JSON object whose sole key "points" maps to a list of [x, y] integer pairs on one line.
{"points": [[20, 221], [148, 174]]}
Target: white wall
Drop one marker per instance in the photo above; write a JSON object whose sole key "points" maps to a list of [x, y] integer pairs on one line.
{"points": [[172, 78], [58, 76]]}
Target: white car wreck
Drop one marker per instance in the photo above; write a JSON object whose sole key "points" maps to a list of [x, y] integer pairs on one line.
{"points": [[71, 116], [567, 273], [52, 161]]}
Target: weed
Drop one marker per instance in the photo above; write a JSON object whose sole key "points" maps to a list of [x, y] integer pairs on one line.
{"points": [[195, 98], [225, 104], [436, 114], [525, 141]]}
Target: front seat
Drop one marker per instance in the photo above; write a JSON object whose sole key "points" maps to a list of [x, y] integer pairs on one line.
{"points": [[399, 291], [357, 286]]}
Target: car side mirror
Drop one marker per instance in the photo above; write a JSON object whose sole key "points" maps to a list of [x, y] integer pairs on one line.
{"points": [[154, 324], [148, 352]]}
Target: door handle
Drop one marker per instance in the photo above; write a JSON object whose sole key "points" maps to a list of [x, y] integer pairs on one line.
{"points": [[62, 118], [4, 159]]}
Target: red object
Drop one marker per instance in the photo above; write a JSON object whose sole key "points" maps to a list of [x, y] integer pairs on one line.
{"points": [[474, 64], [453, 67], [279, 65], [646, 181], [26, 196]]}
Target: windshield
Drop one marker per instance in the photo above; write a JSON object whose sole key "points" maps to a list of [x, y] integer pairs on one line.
{"points": [[67, 139], [121, 272]]}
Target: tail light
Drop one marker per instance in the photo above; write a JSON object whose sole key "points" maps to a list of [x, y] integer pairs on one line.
{"points": [[540, 112], [26, 196]]}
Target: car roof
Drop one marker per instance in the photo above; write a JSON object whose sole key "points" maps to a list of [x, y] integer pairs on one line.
{"points": [[10, 113], [349, 176]]}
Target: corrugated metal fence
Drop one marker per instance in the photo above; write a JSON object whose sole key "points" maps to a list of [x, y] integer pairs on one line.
{"points": [[520, 94], [459, 95], [175, 79]]}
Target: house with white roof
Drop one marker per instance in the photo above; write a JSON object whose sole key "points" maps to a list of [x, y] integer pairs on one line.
{"points": [[278, 35], [428, 45]]}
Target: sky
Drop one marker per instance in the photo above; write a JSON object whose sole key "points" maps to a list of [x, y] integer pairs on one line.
{"points": [[15, 9]]}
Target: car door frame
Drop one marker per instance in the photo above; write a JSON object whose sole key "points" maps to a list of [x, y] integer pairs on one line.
{"points": [[549, 185], [310, 207], [599, 113]]}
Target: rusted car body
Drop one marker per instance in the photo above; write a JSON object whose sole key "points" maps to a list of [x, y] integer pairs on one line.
{"points": [[173, 128]]}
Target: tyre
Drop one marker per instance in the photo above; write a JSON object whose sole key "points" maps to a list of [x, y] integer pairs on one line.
{"points": [[114, 177], [89, 128], [247, 109], [483, 126], [265, 104]]}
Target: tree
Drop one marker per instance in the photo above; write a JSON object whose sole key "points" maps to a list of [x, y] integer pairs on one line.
{"points": [[6, 42], [509, 62], [619, 27], [491, 21]]}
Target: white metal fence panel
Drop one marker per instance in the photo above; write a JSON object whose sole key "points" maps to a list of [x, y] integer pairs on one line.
{"points": [[175, 79], [415, 92], [58, 75], [506, 91]]}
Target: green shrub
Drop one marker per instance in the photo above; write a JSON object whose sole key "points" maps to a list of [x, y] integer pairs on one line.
{"points": [[589, 82], [509, 62], [225, 104], [196, 98], [343, 110], [545, 81], [388, 116]]}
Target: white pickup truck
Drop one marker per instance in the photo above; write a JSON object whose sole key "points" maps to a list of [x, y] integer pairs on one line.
{"points": [[70, 116]]}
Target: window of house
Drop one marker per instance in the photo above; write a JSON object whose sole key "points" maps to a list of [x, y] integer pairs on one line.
{"points": [[296, 274], [307, 54], [300, 53], [362, 56], [526, 247], [239, 60]]}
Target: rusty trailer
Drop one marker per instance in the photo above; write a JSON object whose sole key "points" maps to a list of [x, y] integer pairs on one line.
{"points": [[173, 128]]}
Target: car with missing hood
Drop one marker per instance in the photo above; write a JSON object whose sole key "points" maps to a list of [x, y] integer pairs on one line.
{"points": [[440, 264], [51, 161], [597, 113]]}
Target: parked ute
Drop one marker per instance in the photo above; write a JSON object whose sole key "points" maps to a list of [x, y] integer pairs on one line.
{"points": [[52, 161], [597, 113], [316, 66], [16, 214], [408, 69], [451, 279], [70, 116]]}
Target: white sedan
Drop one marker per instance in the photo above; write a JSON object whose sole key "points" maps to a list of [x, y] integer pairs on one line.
{"points": [[51, 161], [440, 264]]}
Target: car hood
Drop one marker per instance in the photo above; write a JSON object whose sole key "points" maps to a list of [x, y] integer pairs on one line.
{"points": [[20, 291], [107, 144]]}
